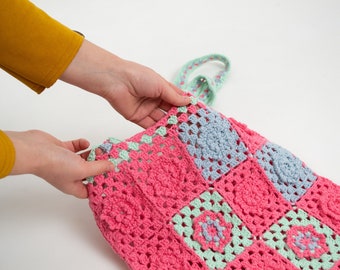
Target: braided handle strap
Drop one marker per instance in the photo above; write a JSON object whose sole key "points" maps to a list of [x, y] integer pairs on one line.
{"points": [[202, 87]]}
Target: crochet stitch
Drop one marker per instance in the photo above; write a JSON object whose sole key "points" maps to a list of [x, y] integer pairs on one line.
{"points": [[199, 190]]}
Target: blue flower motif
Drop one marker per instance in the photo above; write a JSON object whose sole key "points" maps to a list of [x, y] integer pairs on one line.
{"points": [[213, 143], [288, 174], [206, 228], [212, 231], [306, 242], [287, 167]]}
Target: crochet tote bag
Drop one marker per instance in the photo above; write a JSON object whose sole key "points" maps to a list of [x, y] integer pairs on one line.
{"points": [[199, 190]]}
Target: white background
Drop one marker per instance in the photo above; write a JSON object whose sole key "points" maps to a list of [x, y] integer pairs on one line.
{"points": [[284, 83]]}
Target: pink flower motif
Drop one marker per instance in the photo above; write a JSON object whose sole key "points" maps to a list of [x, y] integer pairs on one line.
{"points": [[118, 214], [265, 262], [212, 231], [330, 204], [167, 258], [162, 251], [166, 178], [168, 262], [306, 242], [254, 197]]}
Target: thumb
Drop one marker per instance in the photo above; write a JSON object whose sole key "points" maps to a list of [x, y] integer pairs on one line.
{"points": [[96, 167], [91, 168]]}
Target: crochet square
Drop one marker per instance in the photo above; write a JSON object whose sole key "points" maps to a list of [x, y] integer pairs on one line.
{"points": [[252, 196], [252, 140], [289, 175], [166, 175], [260, 256], [134, 227], [323, 202], [212, 142], [164, 251], [212, 230], [304, 241]]}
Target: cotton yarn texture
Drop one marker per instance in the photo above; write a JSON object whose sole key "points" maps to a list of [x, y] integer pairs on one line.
{"points": [[199, 190]]}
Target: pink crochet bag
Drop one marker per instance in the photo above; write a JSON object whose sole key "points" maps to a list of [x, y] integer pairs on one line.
{"points": [[199, 190]]}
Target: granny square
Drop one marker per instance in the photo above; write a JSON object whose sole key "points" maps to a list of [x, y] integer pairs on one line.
{"points": [[199, 190], [252, 196], [216, 148], [323, 202], [304, 240], [287, 172], [209, 227]]}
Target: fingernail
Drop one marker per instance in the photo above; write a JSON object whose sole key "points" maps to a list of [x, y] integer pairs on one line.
{"points": [[111, 167], [187, 99]]}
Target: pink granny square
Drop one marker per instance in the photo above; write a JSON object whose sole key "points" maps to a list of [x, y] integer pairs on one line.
{"points": [[252, 196]]}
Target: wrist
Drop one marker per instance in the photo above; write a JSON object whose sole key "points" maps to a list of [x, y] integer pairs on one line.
{"points": [[25, 160], [93, 69]]}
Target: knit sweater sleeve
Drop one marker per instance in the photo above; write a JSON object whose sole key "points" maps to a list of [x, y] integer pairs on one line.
{"points": [[7, 155], [34, 48]]}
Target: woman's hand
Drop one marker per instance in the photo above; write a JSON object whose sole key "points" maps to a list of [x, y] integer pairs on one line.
{"points": [[55, 161], [141, 95], [135, 91]]}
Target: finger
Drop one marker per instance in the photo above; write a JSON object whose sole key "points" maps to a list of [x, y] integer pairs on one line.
{"points": [[76, 145], [79, 190], [164, 106], [146, 122], [93, 168], [98, 151], [157, 114], [174, 95], [88, 169], [81, 144], [178, 90], [85, 155]]}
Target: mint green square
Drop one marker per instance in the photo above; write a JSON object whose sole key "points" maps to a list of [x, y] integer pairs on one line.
{"points": [[276, 235], [212, 201]]}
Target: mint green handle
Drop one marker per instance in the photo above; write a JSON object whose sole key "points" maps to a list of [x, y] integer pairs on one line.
{"points": [[202, 86]]}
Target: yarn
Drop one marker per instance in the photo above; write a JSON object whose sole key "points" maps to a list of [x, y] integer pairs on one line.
{"points": [[202, 86], [199, 190]]}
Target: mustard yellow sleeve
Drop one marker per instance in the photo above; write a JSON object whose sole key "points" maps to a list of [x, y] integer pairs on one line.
{"points": [[7, 155], [34, 48]]}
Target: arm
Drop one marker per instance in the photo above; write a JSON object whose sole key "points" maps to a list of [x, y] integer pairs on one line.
{"points": [[135, 91], [28, 49]]}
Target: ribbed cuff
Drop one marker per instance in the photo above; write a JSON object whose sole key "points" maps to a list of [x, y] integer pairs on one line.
{"points": [[7, 155]]}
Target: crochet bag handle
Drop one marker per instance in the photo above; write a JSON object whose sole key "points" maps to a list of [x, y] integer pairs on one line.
{"points": [[203, 87]]}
